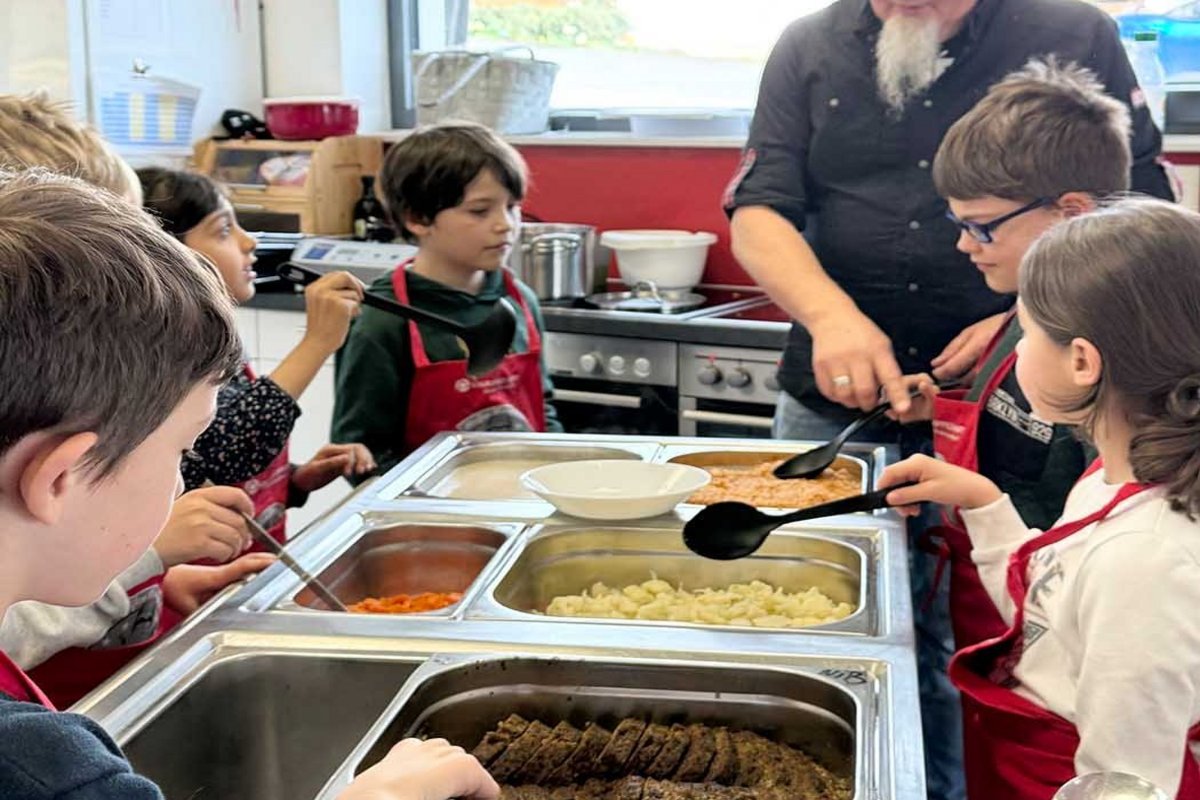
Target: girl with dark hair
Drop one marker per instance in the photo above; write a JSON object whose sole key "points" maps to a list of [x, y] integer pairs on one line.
{"points": [[1099, 669], [247, 442]]}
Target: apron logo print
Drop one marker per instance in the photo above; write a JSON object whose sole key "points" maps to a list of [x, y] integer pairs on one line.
{"points": [[950, 430], [462, 386]]}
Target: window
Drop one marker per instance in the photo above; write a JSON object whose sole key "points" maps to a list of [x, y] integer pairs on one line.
{"points": [[626, 54]]}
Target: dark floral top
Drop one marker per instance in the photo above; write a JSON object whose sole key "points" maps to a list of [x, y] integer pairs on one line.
{"points": [[253, 422]]}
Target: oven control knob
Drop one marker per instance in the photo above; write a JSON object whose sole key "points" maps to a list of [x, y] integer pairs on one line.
{"points": [[641, 367], [739, 378], [709, 375], [616, 365], [589, 362], [772, 383]]}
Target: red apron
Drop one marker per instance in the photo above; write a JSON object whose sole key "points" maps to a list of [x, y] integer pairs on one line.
{"points": [[17, 685], [444, 398], [68, 675], [955, 440], [1015, 749], [268, 488]]}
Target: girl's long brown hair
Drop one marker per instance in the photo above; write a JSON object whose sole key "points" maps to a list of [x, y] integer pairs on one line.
{"points": [[1127, 279]]}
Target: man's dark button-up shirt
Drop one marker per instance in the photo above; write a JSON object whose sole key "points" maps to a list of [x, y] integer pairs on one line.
{"points": [[827, 153]]}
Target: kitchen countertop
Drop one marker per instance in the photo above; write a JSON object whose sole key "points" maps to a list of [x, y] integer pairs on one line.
{"points": [[727, 332]]}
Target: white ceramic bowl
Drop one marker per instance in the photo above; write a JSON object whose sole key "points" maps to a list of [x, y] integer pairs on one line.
{"points": [[671, 259], [606, 489]]}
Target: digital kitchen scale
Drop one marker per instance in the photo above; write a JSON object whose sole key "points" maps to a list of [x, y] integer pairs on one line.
{"points": [[365, 260]]}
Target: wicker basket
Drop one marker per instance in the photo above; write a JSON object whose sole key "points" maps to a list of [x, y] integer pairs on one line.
{"points": [[506, 93]]}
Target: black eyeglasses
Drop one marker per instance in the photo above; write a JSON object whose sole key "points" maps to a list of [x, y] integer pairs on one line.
{"points": [[982, 231]]}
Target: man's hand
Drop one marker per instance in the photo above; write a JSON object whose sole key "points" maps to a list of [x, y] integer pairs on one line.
{"points": [[205, 523], [424, 770], [937, 482], [853, 360], [964, 351], [331, 462], [188, 586]]}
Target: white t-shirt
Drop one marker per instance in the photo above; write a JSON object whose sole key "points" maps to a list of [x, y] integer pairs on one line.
{"points": [[1112, 625]]}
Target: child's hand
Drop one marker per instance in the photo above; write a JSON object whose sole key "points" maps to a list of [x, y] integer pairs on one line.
{"points": [[937, 482], [205, 523], [333, 461], [188, 586], [921, 409], [330, 303], [429, 770]]}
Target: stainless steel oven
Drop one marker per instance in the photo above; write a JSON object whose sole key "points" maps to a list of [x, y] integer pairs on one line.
{"points": [[613, 384], [727, 391]]}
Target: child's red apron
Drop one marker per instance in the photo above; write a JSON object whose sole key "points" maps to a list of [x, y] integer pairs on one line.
{"points": [[68, 675], [443, 396], [955, 441], [17, 685], [1015, 749], [268, 488]]}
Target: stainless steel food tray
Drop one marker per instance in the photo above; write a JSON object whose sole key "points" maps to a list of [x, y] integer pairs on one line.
{"points": [[566, 559], [375, 554], [835, 709], [429, 467]]}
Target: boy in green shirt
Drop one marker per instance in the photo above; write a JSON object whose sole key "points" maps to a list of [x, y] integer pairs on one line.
{"points": [[454, 190]]}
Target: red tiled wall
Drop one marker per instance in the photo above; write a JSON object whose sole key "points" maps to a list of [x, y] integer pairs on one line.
{"points": [[638, 187]]}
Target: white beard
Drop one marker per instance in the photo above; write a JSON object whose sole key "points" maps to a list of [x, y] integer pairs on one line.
{"points": [[906, 59]]}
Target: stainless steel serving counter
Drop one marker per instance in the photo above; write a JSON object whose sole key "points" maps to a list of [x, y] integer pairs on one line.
{"points": [[267, 694]]}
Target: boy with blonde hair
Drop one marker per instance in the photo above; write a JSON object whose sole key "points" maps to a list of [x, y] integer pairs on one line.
{"points": [[36, 132]]}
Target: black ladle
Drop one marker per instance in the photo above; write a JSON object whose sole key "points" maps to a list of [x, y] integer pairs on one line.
{"points": [[487, 343], [812, 463], [726, 531]]}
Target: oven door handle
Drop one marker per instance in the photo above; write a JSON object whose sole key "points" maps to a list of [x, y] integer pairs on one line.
{"points": [[718, 418], [598, 398]]}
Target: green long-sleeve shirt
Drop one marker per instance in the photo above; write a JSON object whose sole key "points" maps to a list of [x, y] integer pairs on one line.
{"points": [[374, 369]]}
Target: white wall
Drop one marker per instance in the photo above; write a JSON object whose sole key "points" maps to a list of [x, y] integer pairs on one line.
{"points": [[42, 47], [330, 47]]}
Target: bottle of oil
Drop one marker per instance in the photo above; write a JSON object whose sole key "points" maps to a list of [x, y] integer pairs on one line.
{"points": [[370, 221]]}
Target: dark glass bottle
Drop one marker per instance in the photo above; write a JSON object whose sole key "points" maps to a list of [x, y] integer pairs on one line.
{"points": [[370, 221]]}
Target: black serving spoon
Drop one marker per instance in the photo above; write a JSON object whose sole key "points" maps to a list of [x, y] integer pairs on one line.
{"points": [[812, 463], [487, 343], [726, 531]]}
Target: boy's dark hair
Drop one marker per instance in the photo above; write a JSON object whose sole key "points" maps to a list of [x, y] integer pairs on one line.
{"points": [[428, 171], [1043, 131], [108, 321], [1126, 278], [181, 200]]}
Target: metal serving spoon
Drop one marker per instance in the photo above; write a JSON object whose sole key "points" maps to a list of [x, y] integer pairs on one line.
{"points": [[726, 531], [487, 343], [318, 588], [812, 463]]}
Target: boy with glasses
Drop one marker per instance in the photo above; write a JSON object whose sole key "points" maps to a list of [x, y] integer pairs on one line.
{"points": [[1043, 145]]}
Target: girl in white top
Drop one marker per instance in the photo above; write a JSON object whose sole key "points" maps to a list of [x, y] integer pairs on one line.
{"points": [[1110, 641]]}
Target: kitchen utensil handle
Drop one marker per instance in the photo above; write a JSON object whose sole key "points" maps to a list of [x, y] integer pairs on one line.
{"points": [[849, 505], [303, 276], [597, 398], [268, 541], [721, 418]]}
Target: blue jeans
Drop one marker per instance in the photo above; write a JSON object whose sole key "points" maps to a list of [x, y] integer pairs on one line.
{"points": [[941, 711]]}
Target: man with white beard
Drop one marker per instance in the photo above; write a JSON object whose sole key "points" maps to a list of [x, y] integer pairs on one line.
{"points": [[834, 213]]}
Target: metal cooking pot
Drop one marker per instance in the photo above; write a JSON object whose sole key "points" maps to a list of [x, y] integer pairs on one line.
{"points": [[560, 260]]}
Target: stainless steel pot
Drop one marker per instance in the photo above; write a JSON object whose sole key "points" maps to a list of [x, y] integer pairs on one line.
{"points": [[560, 260]]}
